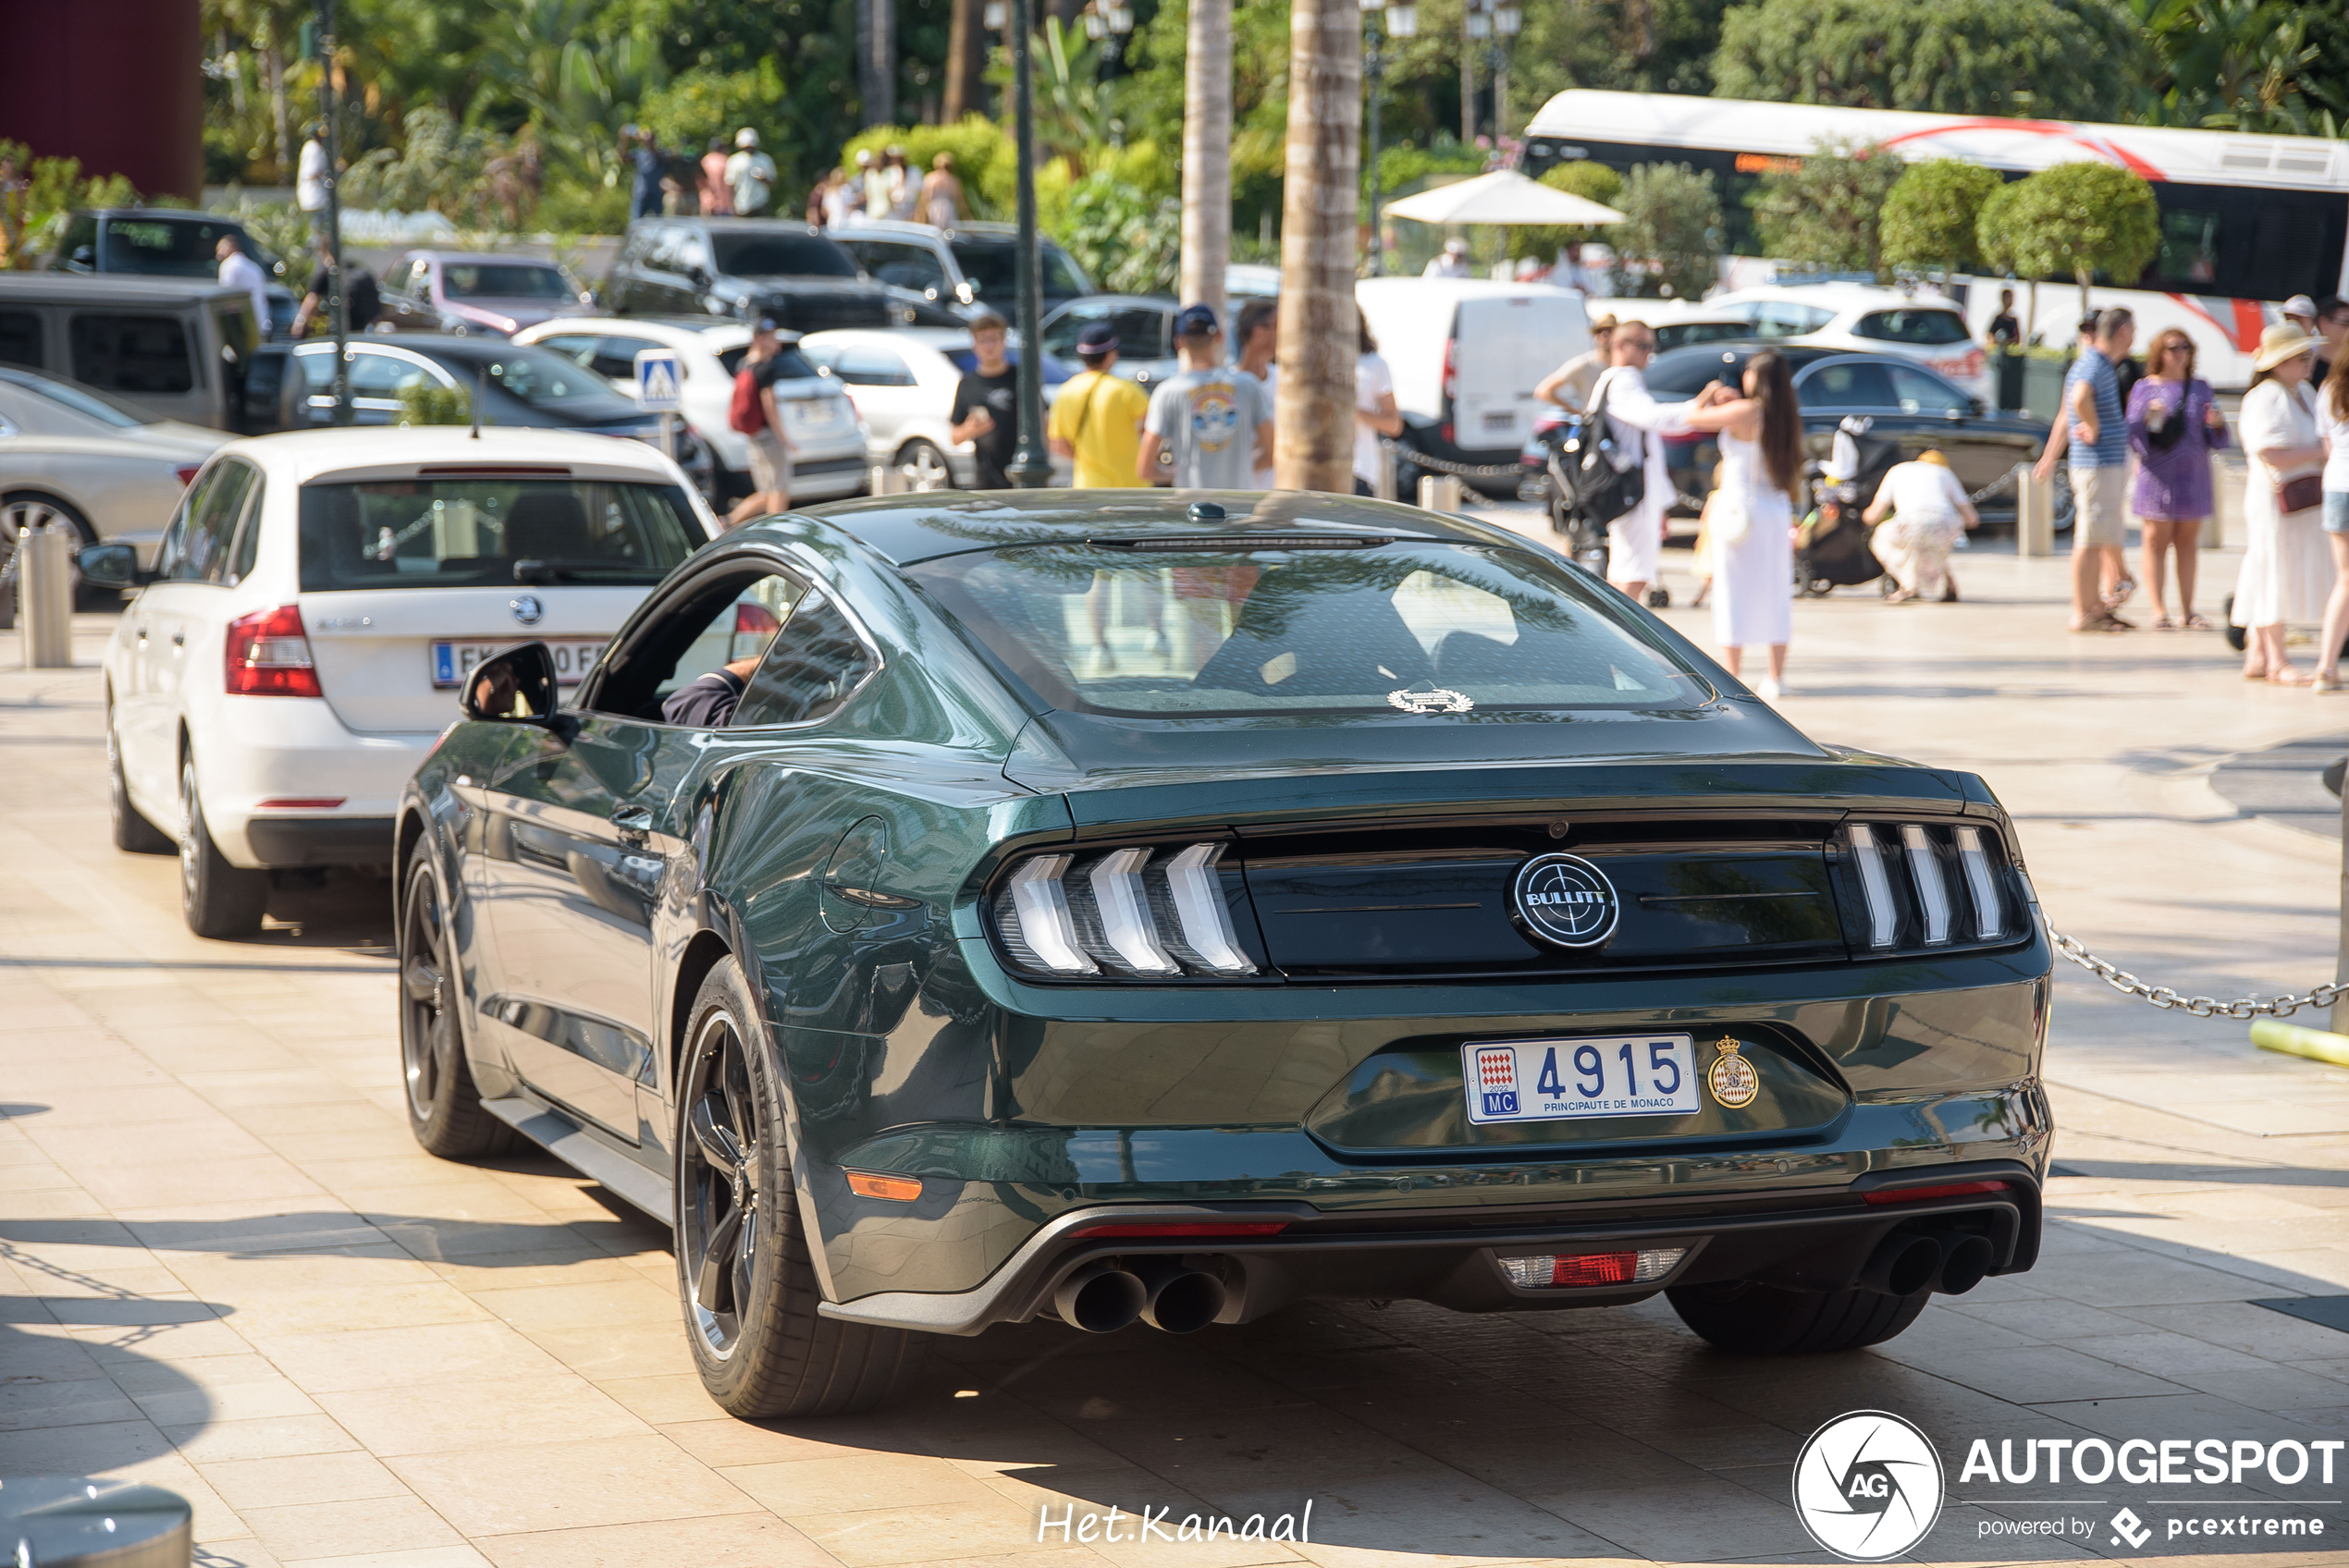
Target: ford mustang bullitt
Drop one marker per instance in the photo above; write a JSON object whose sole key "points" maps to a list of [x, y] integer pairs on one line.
{"points": [[957, 909]]}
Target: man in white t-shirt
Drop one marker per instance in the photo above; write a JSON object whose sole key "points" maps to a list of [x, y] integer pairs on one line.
{"points": [[241, 270], [750, 175], [310, 181], [1453, 262], [1635, 540]]}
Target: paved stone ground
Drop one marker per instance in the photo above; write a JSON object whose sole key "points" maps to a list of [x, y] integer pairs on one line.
{"points": [[229, 1271]]}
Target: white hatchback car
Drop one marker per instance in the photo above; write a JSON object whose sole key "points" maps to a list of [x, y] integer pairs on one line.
{"points": [[903, 384], [1865, 319], [318, 600], [827, 444]]}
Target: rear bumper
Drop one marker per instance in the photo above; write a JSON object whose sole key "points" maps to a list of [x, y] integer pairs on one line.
{"points": [[257, 749], [1809, 1240], [320, 840]]}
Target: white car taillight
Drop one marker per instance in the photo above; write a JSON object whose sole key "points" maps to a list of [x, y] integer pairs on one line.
{"points": [[268, 655], [1142, 911], [1911, 896]]}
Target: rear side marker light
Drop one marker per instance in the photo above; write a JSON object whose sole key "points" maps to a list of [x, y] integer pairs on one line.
{"points": [[303, 804], [1229, 1229], [1934, 1194], [268, 655], [1550, 1270], [1142, 911], [898, 1189]]}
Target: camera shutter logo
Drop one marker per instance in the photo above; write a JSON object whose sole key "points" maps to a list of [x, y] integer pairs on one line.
{"points": [[1867, 1485], [1566, 901]]}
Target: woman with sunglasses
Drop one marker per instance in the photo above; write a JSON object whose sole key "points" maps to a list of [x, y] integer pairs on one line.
{"points": [[2174, 425]]}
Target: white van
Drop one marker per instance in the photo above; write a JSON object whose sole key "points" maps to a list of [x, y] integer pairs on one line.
{"points": [[1466, 354]]}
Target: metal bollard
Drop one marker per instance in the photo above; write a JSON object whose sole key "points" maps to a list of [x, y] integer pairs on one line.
{"points": [[1440, 492], [1383, 484], [59, 1520], [44, 596], [2034, 515], [886, 479]]}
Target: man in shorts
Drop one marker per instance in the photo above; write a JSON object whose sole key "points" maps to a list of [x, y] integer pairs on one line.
{"points": [[1212, 418], [2094, 441], [770, 448]]}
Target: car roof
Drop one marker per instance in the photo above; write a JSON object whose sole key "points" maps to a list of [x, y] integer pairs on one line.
{"points": [[708, 332], [396, 451], [1838, 296], [125, 289], [1458, 287], [489, 257], [887, 228], [167, 215], [906, 530], [746, 226]]}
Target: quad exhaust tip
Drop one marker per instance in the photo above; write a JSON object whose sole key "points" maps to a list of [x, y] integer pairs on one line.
{"points": [[1101, 1298], [1952, 1262]]}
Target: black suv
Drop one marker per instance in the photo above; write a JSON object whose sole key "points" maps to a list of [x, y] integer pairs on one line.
{"points": [[165, 242], [743, 268]]}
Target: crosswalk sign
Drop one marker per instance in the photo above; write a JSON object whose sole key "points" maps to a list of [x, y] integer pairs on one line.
{"points": [[659, 384]]}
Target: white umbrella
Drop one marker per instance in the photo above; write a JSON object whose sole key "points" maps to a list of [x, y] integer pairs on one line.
{"points": [[1504, 196]]}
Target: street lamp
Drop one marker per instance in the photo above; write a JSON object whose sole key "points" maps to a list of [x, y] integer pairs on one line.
{"points": [[1507, 21], [1402, 20], [1107, 22], [1031, 469]]}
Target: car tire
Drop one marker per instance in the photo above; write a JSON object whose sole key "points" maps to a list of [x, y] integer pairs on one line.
{"points": [[20, 510], [444, 1104], [133, 834], [217, 899], [924, 467], [1747, 1318], [744, 1276]]}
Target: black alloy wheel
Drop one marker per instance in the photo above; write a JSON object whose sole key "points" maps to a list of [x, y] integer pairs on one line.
{"points": [[743, 1274], [444, 1107], [216, 899]]}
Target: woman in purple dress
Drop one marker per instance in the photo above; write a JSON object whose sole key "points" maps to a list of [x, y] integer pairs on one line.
{"points": [[2174, 426]]}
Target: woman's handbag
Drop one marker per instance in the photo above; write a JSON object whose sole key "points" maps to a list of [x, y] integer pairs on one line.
{"points": [[2300, 492], [1731, 522]]}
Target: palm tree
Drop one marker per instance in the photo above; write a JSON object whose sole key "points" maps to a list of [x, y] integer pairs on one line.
{"points": [[1207, 155], [1314, 424]]}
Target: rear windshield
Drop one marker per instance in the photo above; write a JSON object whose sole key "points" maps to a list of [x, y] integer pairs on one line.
{"points": [[503, 282], [781, 255], [1685, 376], [1912, 327], [476, 533], [546, 379], [1410, 627]]}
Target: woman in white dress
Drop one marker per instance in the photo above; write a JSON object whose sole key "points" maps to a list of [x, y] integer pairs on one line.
{"points": [[1753, 519], [2287, 570]]}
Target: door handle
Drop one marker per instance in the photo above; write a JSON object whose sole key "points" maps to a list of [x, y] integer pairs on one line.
{"points": [[178, 639], [142, 633], [633, 823]]}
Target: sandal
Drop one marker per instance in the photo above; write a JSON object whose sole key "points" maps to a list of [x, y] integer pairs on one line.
{"points": [[2121, 592], [2163, 623], [2107, 621], [2322, 681], [2288, 676], [2195, 623]]}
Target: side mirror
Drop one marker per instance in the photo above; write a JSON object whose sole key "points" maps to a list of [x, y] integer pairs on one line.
{"points": [[112, 565], [516, 687]]}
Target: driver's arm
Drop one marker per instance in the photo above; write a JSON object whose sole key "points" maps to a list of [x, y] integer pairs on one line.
{"points": [[709, 702]]}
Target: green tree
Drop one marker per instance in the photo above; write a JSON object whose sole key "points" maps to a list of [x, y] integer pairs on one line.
{"points": [[2264, 65], [54, 187], [2073, 220], [1825, 212], [1595, 182], [2067, 59], [1669, 240], [1931, 217]]}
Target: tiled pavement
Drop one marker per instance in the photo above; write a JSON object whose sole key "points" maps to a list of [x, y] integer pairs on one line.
{"points": [[229, 1271]]}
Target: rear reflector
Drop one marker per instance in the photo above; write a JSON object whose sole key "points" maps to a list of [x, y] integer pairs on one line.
{"points": [[1928, 1194], [1549, 1271], [1224, 1228], [900, 1189], [268, 655], [303, 803]]}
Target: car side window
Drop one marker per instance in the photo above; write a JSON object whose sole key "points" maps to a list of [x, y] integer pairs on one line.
{"points": [[1921, 394], [197, 549], [577, 347], [729, 620], [692, 251], [1849, 385], [870, 365], [20, 339], [382, 376], [247, 550], [662, 250], [131, 353], [1783, 318], [814, 665], [615, 357]]}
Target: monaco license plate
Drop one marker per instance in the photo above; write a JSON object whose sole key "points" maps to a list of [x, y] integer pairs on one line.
{"points": [[1502, 420], [1590, 1075], [575, 656]]}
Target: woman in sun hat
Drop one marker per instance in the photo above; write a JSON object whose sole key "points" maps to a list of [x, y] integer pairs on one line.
{"points": [[2286, 574]]}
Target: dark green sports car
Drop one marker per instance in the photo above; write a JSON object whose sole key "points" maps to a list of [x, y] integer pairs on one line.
{"points": [[952, 910]]}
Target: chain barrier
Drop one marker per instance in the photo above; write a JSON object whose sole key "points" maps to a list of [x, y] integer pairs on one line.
{"points": [[2163, 997], [1696, 503], [1465, 470]]}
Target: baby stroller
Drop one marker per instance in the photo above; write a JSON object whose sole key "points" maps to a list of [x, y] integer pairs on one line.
{"points": [[1833, 546]]}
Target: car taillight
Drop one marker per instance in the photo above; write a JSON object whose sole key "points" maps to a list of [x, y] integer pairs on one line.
{"points": [[268, 654], [186, 471], [1451, 367], [1145, 911], [1546, 1270], [754, 625], [1929, 886]]}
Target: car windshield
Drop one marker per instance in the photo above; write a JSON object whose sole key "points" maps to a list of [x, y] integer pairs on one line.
{"points": [[545, 379], [1165, 632], [82, 399], [992, 266], [475, 532], [781, 255], [167, 247], [1929, 327], [504, 282]]}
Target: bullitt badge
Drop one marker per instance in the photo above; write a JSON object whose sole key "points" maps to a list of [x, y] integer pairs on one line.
{"points": [[1731, 1077]]}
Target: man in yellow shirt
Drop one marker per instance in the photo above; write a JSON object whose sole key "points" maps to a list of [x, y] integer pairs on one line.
{"points": [[1097, 419]]}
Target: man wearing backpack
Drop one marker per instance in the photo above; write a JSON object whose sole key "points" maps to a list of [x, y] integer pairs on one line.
{"points": [[753, 413], [1635, 420]]}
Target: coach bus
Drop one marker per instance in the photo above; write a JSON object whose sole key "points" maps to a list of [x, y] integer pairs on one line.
{"points": [[2247, 221]]}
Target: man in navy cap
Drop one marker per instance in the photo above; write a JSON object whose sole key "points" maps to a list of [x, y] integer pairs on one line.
{"points": [[1096, 420], [1213, 420]]}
